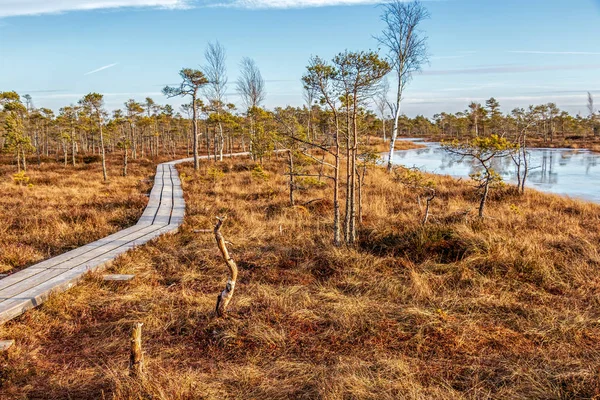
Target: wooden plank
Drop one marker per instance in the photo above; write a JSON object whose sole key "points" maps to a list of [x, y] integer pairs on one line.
{"points": [[19, 277], [14, 288], [101, 260], [163, 214], [6, 344], [118, 278], [125, 243], [109, 243], [80, 251]]}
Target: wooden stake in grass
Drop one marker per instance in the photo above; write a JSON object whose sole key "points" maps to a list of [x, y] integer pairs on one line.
{"points": [[136, 357], [225, 297]]}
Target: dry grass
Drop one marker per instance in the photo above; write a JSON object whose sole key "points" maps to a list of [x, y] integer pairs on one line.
{"points": [[502, 308], [588, 142], [573, 142], [63, 207], [377, 144]]}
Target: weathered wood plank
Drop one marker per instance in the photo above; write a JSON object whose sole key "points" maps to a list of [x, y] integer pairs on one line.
{"points": [[65, 257], [124, 241], [6, 344], [118, 278], [42, 275]]}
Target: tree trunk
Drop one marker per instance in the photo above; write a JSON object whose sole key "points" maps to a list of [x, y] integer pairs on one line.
{"points": [[195, 133], [102, 150], [349, 172], [73, 147], [525, 164], [486, 187], [395, 126], [360, 198], [215, 144], [125, 161], [37, 148], [337, 235], [353, 170], [221, 141], [291, 166]]}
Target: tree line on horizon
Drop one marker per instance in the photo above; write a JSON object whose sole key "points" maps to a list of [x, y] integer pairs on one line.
{"points": [[147, 128]]}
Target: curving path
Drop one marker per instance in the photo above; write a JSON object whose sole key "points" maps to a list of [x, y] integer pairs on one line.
{"points": [[164, 213]]}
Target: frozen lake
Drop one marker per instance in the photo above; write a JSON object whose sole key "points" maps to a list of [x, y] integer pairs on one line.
{"points": [[574, 173]]}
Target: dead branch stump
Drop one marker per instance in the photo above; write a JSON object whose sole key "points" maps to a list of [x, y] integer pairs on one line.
{"points": [[225, 297], [136, 357]]}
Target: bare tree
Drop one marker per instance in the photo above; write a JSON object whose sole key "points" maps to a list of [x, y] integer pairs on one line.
{"points": [[407, 49], [192, 81], [590, 104], [309, 96], [592, 112], [382, 103], [524, 120], [251, 88], [251, 85], [216, 73]]}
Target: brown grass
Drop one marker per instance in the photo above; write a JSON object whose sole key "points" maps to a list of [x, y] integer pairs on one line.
{"points": [[502, 308], [377, 144], [63, 207], [588, 142]]}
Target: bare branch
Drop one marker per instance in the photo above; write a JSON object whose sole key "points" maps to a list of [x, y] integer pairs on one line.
{"points": [[225, 297]]}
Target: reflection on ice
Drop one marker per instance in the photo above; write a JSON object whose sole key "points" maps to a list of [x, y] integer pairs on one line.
{"points": [[563, 171]]}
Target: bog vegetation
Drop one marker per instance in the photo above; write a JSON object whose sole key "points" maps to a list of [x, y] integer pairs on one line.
{"points": [[352, 278], [461, 307]]}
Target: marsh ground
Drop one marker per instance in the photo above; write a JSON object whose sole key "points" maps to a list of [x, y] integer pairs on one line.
{"points": [[505, 307]]}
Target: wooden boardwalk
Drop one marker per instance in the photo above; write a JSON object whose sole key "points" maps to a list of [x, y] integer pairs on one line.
{"points": [[163, 214]]}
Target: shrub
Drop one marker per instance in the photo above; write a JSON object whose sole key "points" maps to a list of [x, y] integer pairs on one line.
{"points": [[21, 179], [214, 174], [259, 173], [91, 159]]}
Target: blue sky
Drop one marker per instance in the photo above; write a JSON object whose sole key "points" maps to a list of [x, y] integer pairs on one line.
{"points": [[519, 51]]}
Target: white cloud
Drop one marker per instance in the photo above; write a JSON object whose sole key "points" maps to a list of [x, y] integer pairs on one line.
{"points": [[445, 57], [80, 95], [100, 69], [285, 4], [12, 8], [562, 53], [509, 69]]}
